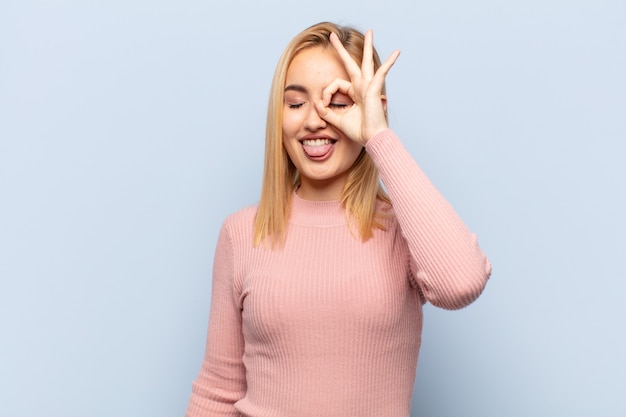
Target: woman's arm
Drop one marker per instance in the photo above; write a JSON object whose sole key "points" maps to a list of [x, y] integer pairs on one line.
{"points": [[447, 263], [221, 381]]}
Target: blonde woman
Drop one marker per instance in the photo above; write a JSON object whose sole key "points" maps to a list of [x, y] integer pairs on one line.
{"points": [[318, 291]]}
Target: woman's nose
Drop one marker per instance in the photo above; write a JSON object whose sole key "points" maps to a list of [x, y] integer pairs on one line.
{"points": [[313, 120]]}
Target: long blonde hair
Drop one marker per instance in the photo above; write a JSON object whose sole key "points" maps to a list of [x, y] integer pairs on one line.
{"points": [[280, 176]]}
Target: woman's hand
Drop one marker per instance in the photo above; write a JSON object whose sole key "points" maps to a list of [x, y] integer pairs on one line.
{"points": [[366, 117]]}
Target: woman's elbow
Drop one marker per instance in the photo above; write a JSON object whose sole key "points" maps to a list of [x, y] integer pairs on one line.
{"points": [[462, 289]]}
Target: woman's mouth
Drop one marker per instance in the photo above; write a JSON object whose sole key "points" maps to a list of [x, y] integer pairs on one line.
{"points": [[318, 149]]}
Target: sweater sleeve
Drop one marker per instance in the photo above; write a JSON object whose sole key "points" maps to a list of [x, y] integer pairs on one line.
{"points": [[447, 265], [221, 381]]}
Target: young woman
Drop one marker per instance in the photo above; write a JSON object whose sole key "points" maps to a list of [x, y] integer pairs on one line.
{"points": [[317, 295]]}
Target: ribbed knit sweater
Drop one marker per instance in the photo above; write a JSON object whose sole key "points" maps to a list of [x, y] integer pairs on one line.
{"points": [[329, 325]]}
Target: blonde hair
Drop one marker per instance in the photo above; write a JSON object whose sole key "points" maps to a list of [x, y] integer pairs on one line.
{"points": [[280, 177]]}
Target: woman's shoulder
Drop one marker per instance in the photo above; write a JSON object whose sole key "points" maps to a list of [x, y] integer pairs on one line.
{"points": [[240, 224], [238, 227], [242, 218]]}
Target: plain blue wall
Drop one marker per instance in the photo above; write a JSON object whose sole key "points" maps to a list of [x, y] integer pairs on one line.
{"points": [[130, 129]]}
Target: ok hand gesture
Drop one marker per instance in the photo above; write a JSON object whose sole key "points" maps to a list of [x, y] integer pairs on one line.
{"points": [[366, 117]]}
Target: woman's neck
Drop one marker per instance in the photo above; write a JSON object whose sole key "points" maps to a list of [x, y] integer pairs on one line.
{"points": [[320, 190]]}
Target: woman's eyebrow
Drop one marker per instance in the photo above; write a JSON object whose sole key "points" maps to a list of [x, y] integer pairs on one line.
{"points": [[296, 87]]}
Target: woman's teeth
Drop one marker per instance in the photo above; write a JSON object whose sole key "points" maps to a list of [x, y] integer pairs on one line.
{"points": [[316, 142]]}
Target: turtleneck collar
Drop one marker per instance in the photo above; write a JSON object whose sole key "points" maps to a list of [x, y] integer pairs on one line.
{"points": [[316, 213]]}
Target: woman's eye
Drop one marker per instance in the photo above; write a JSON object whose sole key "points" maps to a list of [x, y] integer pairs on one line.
{"points": [[338, 105], [294, 106]]}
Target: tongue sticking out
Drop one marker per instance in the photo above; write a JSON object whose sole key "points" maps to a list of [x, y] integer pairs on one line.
{"points": [[317, 151]]}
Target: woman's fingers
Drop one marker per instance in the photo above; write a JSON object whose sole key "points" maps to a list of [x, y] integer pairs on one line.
{"points": [[366, 69], [327, 114], [386, 66], [367, 65], [338, 85], [325, 107], [362, 77], [351, 67], [376, 84], [366, 114]]}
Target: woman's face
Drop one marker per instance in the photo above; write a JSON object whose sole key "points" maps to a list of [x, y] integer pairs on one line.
{"points": [[322, 154]]}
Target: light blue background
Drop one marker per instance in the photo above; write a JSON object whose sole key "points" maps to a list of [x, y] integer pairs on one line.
{"points": [[130, 129]]}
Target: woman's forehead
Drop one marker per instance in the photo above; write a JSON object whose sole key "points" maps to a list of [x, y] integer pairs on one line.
{"points": [[315, 65]]}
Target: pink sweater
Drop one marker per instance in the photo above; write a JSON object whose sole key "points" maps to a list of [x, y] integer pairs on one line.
{"points": [[330, 326]]}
